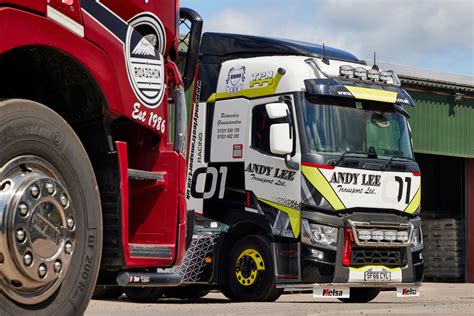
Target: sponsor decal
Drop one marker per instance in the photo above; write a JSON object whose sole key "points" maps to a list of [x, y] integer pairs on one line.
{"points": [[226, 126], [288, 202], [351, 178], [344, 93], [261, 79], [144, 45], [408, 292], [235, 79], [217, 179], [331, 292], [270, 175], [152, 119], [197, 140], [237, 151], [403, 100]]}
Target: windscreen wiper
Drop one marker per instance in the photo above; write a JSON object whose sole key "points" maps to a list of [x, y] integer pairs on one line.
{"points": [[389, 162], [349, 152], [371, 154]]}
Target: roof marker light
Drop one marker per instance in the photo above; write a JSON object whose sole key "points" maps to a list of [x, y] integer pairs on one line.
{"points": [[373, 74], [361, 73], [346, 71], [386, 76]]}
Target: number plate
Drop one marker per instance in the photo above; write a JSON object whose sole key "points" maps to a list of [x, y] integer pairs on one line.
{"points": [[377, 276]]}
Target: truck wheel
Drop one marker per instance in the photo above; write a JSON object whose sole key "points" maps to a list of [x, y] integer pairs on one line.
{"points": [[107, 292], [186, 292], [143, 294], [250, 275], [50, 214], [361, 295]]}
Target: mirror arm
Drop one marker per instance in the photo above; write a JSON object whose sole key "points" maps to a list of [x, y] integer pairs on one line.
{"points": [[290, 163]]}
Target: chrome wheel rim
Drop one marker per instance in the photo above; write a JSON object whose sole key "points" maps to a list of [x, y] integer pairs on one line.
{"points": [[37, 229]]}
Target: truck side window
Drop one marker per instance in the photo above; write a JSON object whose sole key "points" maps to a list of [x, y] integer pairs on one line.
{"points": [[261, 129]]}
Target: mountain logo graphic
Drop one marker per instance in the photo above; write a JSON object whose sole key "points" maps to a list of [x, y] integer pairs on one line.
{"points": [[144, 47]]}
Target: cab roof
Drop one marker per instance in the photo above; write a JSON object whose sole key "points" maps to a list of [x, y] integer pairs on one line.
{"points": [[224, 46]]}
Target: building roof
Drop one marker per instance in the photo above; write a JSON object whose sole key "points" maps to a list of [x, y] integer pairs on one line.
{"points": [[229, 46], [433, 78]]}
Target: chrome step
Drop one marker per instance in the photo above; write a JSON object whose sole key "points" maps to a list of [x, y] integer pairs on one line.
{"points": [[136, 174], [150, 251]]}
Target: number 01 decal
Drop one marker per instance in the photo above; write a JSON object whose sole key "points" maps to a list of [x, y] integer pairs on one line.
{"points": [[213, 179], [401, 189]]}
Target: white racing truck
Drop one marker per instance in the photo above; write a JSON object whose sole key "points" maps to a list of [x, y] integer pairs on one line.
{"points": [[301, 175]]}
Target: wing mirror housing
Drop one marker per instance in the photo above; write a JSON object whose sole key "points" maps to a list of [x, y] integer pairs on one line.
{"points": [[281, 134], [281, 142], [277, 110]]}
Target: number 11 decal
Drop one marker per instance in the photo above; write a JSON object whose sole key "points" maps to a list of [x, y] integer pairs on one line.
{"points": [[401, 189]]}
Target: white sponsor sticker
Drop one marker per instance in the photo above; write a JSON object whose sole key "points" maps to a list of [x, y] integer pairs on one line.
{"points": [[408, 291], [331, 292]]}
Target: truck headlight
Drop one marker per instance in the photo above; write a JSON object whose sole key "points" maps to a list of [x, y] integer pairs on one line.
{"points": [[417, 238], [318, 235]]}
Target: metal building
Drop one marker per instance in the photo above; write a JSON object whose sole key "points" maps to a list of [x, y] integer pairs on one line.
{"points": [[442, 124]]}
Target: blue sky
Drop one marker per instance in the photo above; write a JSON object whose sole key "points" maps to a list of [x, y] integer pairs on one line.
{"points": [[434, 34]]}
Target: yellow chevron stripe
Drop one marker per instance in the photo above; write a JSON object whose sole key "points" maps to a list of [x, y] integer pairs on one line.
{"points": [[415, 202], [293, 215], [322, 185]]}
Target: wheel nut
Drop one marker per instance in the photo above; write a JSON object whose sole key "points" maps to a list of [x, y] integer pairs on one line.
{"points": [[58, 266], [23, 209], [20, 235], [42, 270], [68, 248], [34, 190], [70, 223], [64, 200], [49, 187], [27, 259]]}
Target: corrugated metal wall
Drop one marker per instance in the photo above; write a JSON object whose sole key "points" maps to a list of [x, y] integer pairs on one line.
{"points": [[442, 126]]}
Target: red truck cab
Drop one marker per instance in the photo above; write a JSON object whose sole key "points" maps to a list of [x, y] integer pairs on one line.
{"points": [[92, 101]]}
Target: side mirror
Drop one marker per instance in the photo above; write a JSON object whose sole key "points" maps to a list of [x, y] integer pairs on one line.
{"points": [[277, 110], [190, 25], [281, 142]]}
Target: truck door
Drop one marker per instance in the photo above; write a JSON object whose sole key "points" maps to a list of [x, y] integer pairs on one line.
{"points": [[272, 185]]}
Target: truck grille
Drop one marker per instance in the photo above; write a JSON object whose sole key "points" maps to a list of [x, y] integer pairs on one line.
{"points": [[389, 257]]}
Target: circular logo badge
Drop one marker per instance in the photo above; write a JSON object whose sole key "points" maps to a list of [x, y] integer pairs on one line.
{"points": [[144, 48]]}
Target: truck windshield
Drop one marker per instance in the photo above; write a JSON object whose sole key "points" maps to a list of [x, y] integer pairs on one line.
{"points": [[335, 126]]}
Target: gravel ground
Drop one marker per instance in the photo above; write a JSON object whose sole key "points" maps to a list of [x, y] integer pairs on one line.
{"points": [[436, 298]]}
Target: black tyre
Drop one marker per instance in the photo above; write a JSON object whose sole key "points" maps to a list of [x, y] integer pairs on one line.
{"points": [[361, 295], [49, 192], [143, 294], [250, 274], [107, 292], [186, 292]]}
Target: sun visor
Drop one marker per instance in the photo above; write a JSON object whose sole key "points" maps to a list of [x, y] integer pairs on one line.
{"points": [[356, 90]]}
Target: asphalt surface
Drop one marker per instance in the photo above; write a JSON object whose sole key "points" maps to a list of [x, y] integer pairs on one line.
{"points": [[436, 298]]}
